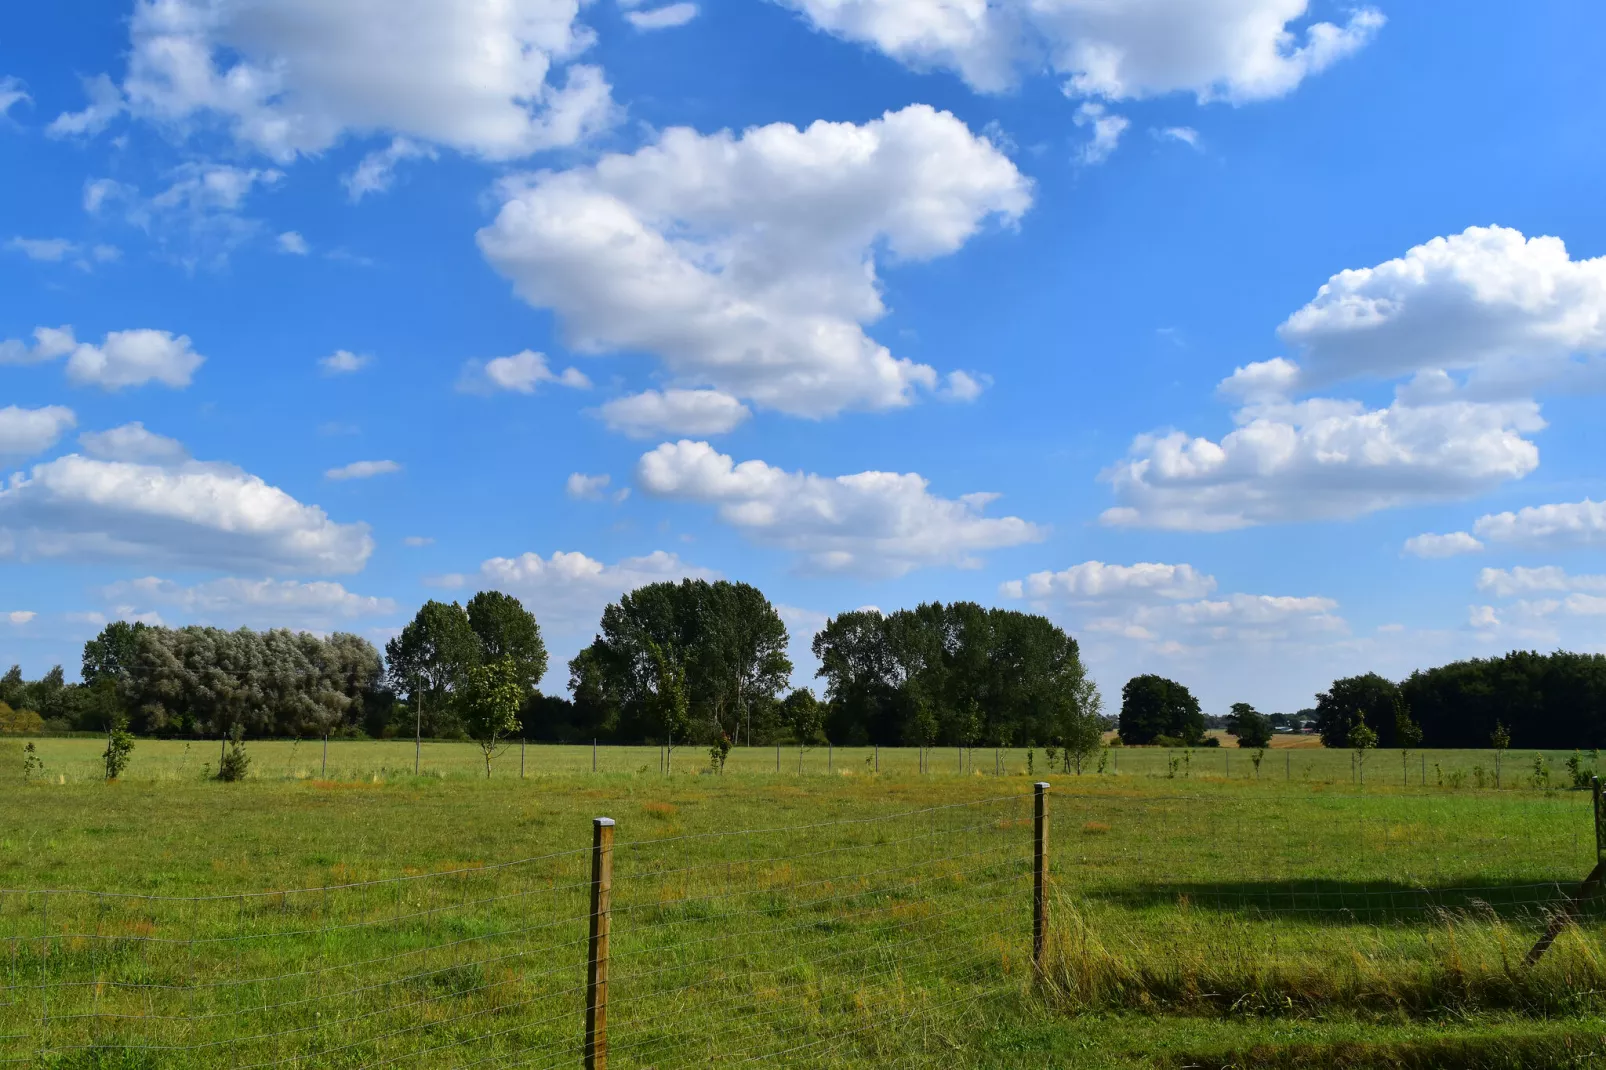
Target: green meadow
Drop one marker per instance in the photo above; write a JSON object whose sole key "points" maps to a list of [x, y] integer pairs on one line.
{"points": [[345, 912]]}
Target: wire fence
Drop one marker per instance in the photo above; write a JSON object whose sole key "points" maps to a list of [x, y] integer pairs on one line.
{"points": [[801, 944]]}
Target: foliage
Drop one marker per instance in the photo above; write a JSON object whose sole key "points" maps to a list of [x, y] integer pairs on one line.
{"points": [[20, 722], [1152, 707], [492, 694], [1253, 728], [235, 762], [1541, 768], [504, 629], [724, 642], [32, 764], [719, 752], [952, 675], [1257, 757], [804, 716], [119, 748], [1500, 738], [1369, 699], [429, 661], [1082, 727], [1552, 701]]}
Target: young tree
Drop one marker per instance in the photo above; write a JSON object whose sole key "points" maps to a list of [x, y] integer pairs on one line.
{"points": [[1408, 734], [493, 694], [674, 715], [1501, 739], [119, 747], [1361, 739], [805, 717]]}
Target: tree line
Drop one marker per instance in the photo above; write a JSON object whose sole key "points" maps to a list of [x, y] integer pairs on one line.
{"points": [[675, 662], [704, 662]]}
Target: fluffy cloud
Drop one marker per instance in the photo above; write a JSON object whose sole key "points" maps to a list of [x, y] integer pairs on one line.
{"points": [[49, 250], [234, 601], [747, 263], [1167, 609], [48, 344], [25, 432], [674, 412], [1429, 545], [295, 76], [134, 358], [1508, 583], [570, 589], [1321, 460], [1512, 310], [363, 470], [1235, 50], [584, 488], [662, 18], [1558, 526], [192, 514], [873, 522], [1095, 580], [293, 243], [344, 362], [521, 373], [133, 442]]}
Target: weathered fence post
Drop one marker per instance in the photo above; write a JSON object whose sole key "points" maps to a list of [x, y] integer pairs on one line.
{"points": [[522, 743], [878, 757], [1590, 885], [593, 754], [1040, 876], [596, 1049], [324, 771]]}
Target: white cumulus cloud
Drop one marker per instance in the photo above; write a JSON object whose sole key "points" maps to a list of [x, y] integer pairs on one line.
{"points": [[746, 263], [1512, 310], [235, 601], [570, 589], [1097, 581], [191, 514], [363, 470], [134, 358], [521, 373], [1234, 50], [25, 432], [1431, 545], [133, 442], [674, 412], [1558, 526], [344, 362], [294, 77], [872, 522], [662, 18], [585, 488], [293, 243], [1321, 460]]}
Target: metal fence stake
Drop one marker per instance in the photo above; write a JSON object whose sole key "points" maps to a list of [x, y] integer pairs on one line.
{"points": [[1040, 876], [596, 1049]]}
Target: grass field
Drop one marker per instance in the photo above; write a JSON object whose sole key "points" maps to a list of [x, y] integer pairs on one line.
{"points": [[811, 920]]}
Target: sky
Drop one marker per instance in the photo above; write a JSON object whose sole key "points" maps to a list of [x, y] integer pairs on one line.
{"points": [[1255, 342]]}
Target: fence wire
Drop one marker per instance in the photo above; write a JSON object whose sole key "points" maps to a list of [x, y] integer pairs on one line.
{"points": [[794, 944]]}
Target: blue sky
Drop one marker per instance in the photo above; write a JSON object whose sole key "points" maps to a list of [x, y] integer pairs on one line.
{"points": [[1256, 342]]}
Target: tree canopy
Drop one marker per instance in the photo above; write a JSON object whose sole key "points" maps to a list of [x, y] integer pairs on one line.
{"points": [[950, 674], [722, 644], [1352, 700], [1153, 706]]}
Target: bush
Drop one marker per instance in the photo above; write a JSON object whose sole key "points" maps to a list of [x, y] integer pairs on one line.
{"points": [[20, 722], [119, 747]]}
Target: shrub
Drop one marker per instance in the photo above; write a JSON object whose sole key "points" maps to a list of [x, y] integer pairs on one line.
{"points": [[20, 722], [119, 747]]}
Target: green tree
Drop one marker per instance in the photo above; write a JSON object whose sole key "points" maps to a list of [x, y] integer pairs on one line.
{"points": [[1152, 706], [1370, 698], [1252, 727], [805, 717], [113, 655], [506, 630], [492, 696], [1361, 739], [119, 748], [429, 661]]}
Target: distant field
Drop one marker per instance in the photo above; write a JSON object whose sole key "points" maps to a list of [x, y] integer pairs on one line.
{"points": [[813, 920]]}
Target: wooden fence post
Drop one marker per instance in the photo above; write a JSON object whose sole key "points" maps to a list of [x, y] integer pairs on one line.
{"points": [[1040, 876], [596, 1049]]}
